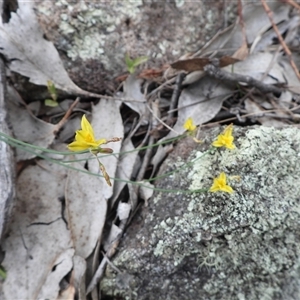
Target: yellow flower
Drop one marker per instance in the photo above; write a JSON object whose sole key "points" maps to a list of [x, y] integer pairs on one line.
{"points": [[85, 138], [189, 125], [220, 184], [225, 139]]}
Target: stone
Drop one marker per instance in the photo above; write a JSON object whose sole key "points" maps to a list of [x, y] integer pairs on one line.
{"points": [[93, 37], [203, 245]]}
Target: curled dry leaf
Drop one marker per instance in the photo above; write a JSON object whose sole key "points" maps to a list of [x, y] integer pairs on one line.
{"points": [[256, 23], [61, 267], [198, 63], [132, 90], [146, 191], [28, 128], [28, 53], [107, 123], [126, 165], [114, 233], [87, 195], [38, 249], [86, 209], [201, 101]]}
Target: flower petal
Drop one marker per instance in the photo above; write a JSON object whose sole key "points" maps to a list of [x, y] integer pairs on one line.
{"points": [[77, 146], [222, 178], [227, 189], [219, 184], [217, 143], [225, 139], [86, 126], [189, 125], [101, 142]]}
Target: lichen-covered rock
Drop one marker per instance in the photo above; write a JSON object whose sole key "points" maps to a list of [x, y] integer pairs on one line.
{"points": [[94, 36], [243, 245]]}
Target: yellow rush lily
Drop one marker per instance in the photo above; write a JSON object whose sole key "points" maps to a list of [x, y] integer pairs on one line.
{"points": [[225, 139], [189, 125], [220, 184], [85, 140]]}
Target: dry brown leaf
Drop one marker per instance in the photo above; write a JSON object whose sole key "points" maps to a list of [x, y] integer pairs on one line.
{"points": [[67, 294], [256, 23], [86, 209], [132, 90], [38, 252], [242, 52], [28, 128], [198, 63], [28, 53], [126, 165], [253, 108]]}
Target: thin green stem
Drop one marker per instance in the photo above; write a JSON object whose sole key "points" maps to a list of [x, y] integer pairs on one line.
{"points": [[6, 138], [33, 149]]}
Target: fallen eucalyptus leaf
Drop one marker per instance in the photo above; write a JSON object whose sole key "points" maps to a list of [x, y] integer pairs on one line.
{"points": [[198, 63], [132, 90], [28, 53], [38, 236], [28, 128]]}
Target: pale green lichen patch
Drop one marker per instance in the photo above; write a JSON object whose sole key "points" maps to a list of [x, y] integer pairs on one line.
{"points": [[161, 31], [198, 174], [243, 245]]}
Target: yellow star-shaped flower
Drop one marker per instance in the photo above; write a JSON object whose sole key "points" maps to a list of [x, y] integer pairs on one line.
{"points": [[189, 125], [225, 139], [220, 184], [85, 138]]}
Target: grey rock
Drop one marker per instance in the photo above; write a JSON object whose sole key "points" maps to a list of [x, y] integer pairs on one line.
{"points": [[94, 36], [203, 245]]}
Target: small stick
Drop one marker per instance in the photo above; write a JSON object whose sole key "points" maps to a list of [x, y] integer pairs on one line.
{"points": [[216, 72], [281, 40], [175, 96], [241, 21], [161, 121], [260, 114], [62, 122], [292, 3]]}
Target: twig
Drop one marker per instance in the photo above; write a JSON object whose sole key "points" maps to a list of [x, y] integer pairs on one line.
{"points": [[292, 3], [281, 40], [241, 21], [170, 81], [149, 150], [260, 114], [93, 95], [216, 72], [175, 95], [110, 263], [161, 121], [62, 122]]}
